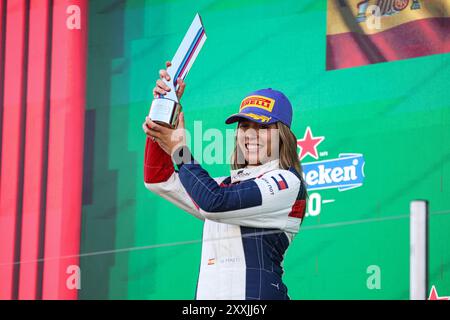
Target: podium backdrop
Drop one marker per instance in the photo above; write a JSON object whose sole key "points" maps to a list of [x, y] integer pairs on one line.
{"points": [[371, 113]]}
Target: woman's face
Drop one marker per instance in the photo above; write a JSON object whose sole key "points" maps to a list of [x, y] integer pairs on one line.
{"points": [[255, 141]]}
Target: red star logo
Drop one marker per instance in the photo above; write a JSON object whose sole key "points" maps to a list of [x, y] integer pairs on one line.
{"points": [[308, 144], [434, 295]]}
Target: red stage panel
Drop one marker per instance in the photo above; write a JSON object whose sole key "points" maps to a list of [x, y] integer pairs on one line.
{"points": [[12, 143], [2, 61], [35, 147], [65, 152]]}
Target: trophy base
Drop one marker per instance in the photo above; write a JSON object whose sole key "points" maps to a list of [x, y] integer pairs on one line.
{"points": [[165, 112]]}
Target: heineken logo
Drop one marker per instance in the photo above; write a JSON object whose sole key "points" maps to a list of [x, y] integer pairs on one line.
{"points": [[343, 173]]}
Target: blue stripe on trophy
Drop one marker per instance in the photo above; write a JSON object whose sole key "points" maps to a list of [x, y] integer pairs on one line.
{"points": [[185, 59]]}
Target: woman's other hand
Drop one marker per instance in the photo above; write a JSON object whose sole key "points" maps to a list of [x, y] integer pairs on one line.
{"points": [[168, 139], [162, 88]]}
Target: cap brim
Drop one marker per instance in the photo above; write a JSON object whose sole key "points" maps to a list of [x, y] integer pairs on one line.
{"points": [[239, 116]]}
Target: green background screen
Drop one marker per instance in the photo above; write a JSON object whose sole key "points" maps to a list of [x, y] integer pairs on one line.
{"points": [[135, 245]]}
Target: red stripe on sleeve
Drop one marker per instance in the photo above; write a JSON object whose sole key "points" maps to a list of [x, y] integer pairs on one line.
{"points": [[298, 209], [158, 166]]}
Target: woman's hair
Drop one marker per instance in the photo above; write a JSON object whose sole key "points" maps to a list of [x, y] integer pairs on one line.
{"points": [[287, 151]]}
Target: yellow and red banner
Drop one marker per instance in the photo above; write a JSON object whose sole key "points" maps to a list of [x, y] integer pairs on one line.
{"points": [[373, 31]]}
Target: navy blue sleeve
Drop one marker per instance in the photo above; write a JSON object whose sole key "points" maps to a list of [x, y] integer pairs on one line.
{"points": [[207, 193]]}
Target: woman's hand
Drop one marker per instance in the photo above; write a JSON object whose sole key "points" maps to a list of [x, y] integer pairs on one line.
{"points": [[162, 88], [168, 139]]}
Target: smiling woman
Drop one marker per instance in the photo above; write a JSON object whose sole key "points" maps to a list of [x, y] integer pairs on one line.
{"points": [[254, 142], [250, 217]]}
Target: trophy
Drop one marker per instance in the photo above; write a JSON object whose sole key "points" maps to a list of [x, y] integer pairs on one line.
{"points": [[166, 109]]}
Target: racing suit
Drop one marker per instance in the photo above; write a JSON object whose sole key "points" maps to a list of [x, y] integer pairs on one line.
{"points": [[250, 218]]}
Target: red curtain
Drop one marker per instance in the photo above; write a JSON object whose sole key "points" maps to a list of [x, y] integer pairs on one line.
{"points": [[43, 76]]}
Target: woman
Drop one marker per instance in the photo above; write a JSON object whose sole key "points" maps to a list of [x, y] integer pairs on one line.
{"points": [[251, 216]]}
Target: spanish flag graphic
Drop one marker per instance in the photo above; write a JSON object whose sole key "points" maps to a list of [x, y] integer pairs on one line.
{"points": [[372, 31]]}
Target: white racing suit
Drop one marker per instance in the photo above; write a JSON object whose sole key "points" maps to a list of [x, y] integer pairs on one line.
{"points": [[250, 219]]}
